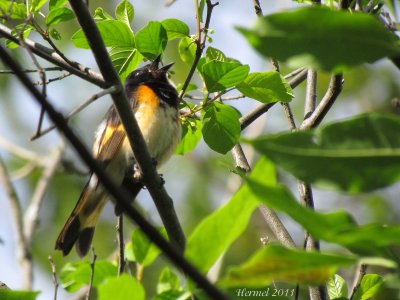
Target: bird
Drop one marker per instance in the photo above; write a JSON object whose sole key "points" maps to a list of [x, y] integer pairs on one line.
{"points": [[154, 101]]}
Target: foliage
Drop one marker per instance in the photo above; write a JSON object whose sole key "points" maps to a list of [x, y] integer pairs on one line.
{"points": [[357, 155]]}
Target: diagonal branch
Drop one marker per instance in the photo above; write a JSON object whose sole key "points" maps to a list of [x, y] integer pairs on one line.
{"points": [[119, 195]]}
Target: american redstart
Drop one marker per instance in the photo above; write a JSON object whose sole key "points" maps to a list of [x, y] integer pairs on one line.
{"points": [[155, 104]]}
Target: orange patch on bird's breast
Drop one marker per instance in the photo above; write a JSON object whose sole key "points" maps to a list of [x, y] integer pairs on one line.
{"points": [[146, 97]]}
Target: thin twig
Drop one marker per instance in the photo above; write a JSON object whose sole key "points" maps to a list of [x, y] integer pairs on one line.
{"points": [[92, 266], [32, 70], [334, 89], [78, 109], [240, 159], [311, 93], [200, 43], [120, 244], [50, 80], [54, 275]]}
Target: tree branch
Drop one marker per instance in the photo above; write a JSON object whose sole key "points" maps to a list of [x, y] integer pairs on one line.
{"points": [[334, 89], [119, 196], [200, 44], [51, 56]]}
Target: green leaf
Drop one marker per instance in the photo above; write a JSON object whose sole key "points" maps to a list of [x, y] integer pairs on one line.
{"points": [[121, 288], [54, 4], [125, 60], [100, 14], [224, 225], [59, 15], [175, 28], [326, 39], [151, 40], [370, 285], [336, 227], [215, 54], [124, 12], [187, 50], [337, 287], [191, 135], [17, 295], [143, 252], [168, 281], [36, 5], [221, 127], [277, 263], [12, 9], [266, 87], [356, 155], [219, 75], [114, 34], [74, 275]]}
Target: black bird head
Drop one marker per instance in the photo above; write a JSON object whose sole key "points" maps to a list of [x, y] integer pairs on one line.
{"points": [[149, 73]]}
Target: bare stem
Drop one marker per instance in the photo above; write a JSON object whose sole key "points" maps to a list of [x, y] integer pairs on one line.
{"points": [[362, 270], [121, 245], [54, 275], [92, 266]]}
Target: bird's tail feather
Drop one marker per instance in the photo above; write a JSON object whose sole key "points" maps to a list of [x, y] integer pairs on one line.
{"points": [[79, 228]]}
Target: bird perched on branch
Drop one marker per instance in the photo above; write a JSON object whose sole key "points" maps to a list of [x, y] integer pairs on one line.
{"points": [[155, 104]]}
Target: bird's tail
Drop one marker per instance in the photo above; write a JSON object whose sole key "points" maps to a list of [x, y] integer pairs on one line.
{"points": [[79, 228]]}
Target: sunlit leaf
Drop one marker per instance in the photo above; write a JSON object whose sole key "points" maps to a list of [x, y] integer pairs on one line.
{"points": [[124, 12], [168, 281], [219, 75], [151, 40], [175, 28], [125, 60], [337, 287], [121, 288], [187, 50], [266, 87], [191, 135], [221, 127], [114, 33], [74, 275], [277, 263], [59, 15], [370, 285]]}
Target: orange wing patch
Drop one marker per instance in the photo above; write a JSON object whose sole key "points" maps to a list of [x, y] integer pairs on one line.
{"points": [[111, 142]]}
